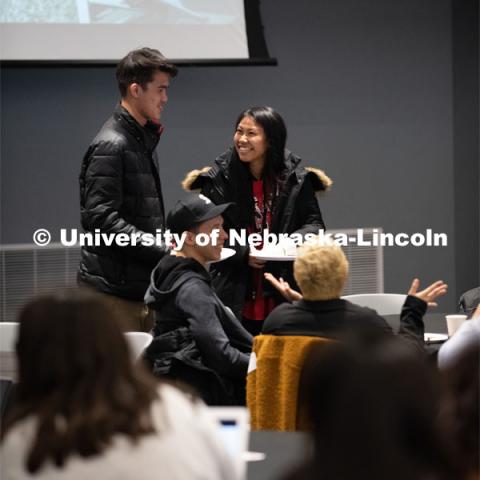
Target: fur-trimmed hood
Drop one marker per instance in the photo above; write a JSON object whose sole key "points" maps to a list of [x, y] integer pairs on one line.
{"points": [[189, 183], [324, 180], [194, 179]]}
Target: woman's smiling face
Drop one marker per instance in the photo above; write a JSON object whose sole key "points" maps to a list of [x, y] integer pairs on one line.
{"points": [[250, 143]]}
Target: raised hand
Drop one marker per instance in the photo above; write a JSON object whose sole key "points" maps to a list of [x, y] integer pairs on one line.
{"points": [[430, 293], [283, 287]]}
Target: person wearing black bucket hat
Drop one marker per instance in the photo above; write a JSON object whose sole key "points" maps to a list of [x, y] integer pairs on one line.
{"points": [[197, 339]]}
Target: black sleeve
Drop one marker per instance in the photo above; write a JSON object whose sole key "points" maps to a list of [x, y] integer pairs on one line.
{"points": [[102, 200], [308, 210], [240, 338], [411, 324], [412, 327], [207, 331]]}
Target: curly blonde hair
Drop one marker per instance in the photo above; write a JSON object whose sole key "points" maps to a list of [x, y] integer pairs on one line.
{"points": [[320, 271]]}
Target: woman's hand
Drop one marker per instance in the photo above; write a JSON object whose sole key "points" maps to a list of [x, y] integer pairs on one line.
{"points": [[428, 295], [256, 262], [283, 287]]}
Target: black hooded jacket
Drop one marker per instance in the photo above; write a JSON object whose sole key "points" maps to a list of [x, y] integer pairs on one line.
{"points": [[295, 210], [196, 338], [120, 192]]}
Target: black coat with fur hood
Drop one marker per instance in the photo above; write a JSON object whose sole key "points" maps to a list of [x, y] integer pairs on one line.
{"points": [[295, 210]]}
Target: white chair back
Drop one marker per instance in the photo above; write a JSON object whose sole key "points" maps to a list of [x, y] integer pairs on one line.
{"points": [[138, 342], [383, 303], [8, 336], [8, 360]]}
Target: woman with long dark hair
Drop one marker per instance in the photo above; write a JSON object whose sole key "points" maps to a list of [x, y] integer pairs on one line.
{"points": [[374, 415], [461, 405], [84, 410], [271, 192]]}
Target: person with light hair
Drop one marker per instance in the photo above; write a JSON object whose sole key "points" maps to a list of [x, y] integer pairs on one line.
{"points": [[321, 271]]}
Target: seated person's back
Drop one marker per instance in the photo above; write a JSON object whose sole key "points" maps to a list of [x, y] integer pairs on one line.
{"points": [[84, 410], [321, 272], [375, 415]]}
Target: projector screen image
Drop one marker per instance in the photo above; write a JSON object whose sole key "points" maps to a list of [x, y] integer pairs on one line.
{"points": [[108, 29]]}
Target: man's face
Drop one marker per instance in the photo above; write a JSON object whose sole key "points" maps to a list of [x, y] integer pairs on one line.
{"points": [[150, 101], [214, 229]]}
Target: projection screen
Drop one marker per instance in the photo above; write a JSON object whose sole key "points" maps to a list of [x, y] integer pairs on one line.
{"points": [[104, 30]]}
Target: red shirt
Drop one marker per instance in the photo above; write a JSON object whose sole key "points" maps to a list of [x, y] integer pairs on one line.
{"points": [[256, 306]]}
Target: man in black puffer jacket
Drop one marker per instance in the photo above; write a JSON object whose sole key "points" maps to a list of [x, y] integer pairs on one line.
{"points": [[120, 189]]}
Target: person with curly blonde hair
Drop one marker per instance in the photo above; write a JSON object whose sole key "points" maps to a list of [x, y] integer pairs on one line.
{"points": [[321, 271]]}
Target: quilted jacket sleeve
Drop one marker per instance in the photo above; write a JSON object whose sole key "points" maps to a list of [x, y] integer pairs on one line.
{"points": [[102, 196]]}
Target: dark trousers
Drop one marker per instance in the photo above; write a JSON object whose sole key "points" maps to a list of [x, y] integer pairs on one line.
{"points": [[133, 316]]}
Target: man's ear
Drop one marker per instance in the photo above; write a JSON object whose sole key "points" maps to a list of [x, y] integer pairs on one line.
{"points": [[190, 238], [134, 89]]}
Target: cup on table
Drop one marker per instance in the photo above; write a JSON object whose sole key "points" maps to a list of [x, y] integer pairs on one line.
{"points": [[454, 322]]}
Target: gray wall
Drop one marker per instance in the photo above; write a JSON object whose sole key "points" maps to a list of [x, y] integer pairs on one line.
{"points": [[368, 93]]}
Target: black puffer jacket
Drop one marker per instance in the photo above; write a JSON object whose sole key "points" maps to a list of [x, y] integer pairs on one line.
{"points": [[295, 210], [196, 339], [120, 192]]}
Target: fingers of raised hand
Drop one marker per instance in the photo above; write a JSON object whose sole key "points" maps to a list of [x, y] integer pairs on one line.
{"points": [[414, 286], [435, 290], [268, 276]]}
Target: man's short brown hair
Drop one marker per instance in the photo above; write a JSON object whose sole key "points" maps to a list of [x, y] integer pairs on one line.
{"points": [[139, 66], [321, 271]]}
